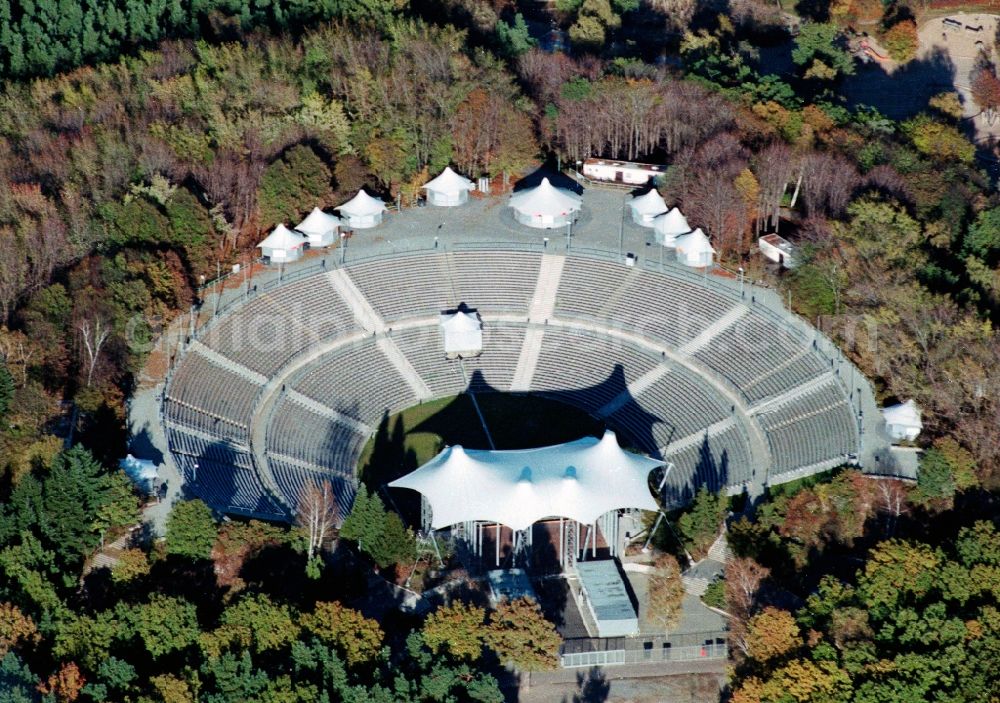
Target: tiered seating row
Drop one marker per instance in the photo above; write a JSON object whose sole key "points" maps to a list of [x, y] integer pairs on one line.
{"points": [[816, 427], [270, 330], [205, 395], [298, 432], [228, 487], [759, 359], [658, 306], [719, 461], [293, 480], [495, 280], [219, 451], [357, 381], [585, 369], [676, 405]]}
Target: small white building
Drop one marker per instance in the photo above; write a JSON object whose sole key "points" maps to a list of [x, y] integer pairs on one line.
{"points": [[463, 334], [545, 206], [902, 421], [362, 211], [448, 189], [627, 172], [646, 207], [694, 249], [282, 245], [777, 249], [669, 226], [319, 228]]}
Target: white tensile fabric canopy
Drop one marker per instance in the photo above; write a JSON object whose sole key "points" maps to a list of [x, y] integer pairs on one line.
{"points": [[696, 242], [282, 238], [545, 199], [672, 223], [649, 204], [318, 222], [449, 182], [361, 205], [462, 332], [579, 480]]}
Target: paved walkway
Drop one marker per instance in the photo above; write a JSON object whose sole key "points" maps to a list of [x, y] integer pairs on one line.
{"points": [[148, 441]]}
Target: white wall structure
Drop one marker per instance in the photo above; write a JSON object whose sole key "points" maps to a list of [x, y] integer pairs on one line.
{"points": [[282, 245], [362, 211], [545, 206], [669, 226], [903, 421], [320, 228], [646, 207], [694, 249], [777, 249], [448, 189], [463, 334], [627, 172]]}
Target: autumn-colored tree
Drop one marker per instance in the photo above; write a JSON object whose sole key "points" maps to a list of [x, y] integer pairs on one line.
{"points": [[901, 41], [172, 689], [65, 685], [938, 140], [986, 91], [770, 634], [132, 564], [521, 636], [666, 592], [456, 628], [357, 637], [16, 629]]}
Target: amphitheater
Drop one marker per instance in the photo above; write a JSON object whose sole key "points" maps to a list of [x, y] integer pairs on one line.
{"points": [[288, 381]]}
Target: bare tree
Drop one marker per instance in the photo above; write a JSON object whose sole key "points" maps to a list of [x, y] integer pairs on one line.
{"points": [[93, 334], [891, 501], [17, 350], [317, 514]]}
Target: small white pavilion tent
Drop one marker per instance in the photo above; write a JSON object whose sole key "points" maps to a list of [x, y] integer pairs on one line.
{"points": [[903, 421], [646, 207], [694, 249], [362, 211], [545, 206], [463, 334], [580, 480], [448, 189], [282, 245], [669, 226], [320, 228]]}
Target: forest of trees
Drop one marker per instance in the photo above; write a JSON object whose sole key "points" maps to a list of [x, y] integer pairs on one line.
{"points": [[143, 144]]}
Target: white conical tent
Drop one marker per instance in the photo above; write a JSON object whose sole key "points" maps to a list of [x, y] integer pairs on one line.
{"points": [[463, 333], [545, 206], [579, 480], [282, 244], [320, 228], [362, 210], [448, 189], [694, 249], [646, 207], [903, 421], [670, 225]]}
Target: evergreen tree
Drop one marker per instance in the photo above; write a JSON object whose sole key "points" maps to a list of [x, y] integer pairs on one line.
{"points": [[6, 389], [191, 530]]}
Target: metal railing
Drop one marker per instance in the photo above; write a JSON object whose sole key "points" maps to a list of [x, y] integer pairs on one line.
{"points": [[587, 652]]}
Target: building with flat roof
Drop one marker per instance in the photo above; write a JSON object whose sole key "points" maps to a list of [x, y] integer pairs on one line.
{"points": [[604, 594], [628, 172], [509, 584]]}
